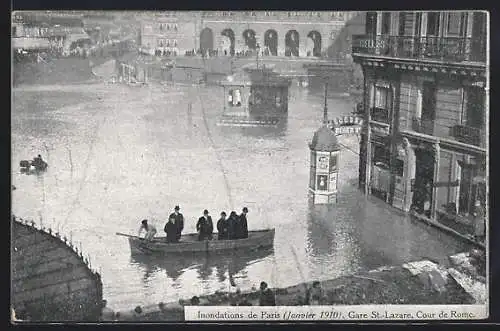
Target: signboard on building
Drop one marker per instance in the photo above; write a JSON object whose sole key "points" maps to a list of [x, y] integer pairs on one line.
{"points": [[322, 163], [333, 182], [322, 182]]}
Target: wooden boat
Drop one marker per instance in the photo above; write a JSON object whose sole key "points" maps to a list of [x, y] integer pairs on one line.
{"points": [[190, 243], [28, 166]]}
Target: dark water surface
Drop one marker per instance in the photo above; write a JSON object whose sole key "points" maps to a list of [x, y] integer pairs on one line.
{"points": [[119, 154]]}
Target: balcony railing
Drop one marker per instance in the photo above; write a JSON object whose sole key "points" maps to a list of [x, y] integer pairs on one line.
{"points": [[468, 135], [423, 126], [379, 115], [455, 49]]}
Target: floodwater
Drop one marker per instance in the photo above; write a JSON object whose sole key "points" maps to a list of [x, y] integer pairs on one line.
{"points": [[118, 154]]}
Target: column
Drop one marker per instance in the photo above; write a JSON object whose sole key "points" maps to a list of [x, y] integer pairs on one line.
{"points": [[368, 87], [468, 34], [437, 159], [394, 131], [394, 23], [281, 43], [379, 31], [409, 174]]}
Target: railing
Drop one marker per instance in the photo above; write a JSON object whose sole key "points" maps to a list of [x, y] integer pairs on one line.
{"points": [[379, 114], [456, 49], [467, 135], [422, 125]]}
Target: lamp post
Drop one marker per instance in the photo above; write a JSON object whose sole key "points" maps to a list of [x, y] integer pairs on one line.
{"points": [[257, 48]]}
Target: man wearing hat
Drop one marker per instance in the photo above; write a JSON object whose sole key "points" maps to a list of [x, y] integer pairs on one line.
{"points": [[179, 221], [205, 227], [223, 227], [243, 233]]}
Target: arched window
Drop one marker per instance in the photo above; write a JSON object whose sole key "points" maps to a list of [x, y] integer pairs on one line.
{"points": [[234, 98]]}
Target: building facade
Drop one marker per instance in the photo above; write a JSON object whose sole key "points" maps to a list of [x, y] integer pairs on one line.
{"points": [[47, 31], [424, 144], [229, 32]]}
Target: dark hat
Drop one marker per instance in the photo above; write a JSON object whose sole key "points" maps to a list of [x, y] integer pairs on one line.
{"points": [[205, 211], [177, 208], [144, 222], [223, 213], [233, 213], [245, 209], [263, 284]]}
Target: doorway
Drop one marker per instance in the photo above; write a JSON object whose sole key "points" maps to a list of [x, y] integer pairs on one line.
{"points": [[424, 181]]}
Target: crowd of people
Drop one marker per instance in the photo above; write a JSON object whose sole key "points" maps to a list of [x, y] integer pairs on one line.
{"points": [[315, 296], [231, 228]]}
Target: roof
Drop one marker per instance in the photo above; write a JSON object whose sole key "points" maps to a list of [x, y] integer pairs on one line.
{"points": [[256, 77], [324, 140], [30, 43]]}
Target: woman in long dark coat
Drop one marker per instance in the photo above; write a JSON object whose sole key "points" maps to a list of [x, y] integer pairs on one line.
{"points": [[232, 226], [222, 226]]}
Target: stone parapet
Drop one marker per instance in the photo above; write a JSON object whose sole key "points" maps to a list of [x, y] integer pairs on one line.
{"points": [[51, 278]]}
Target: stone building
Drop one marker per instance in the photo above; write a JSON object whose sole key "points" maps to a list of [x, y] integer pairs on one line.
{"points": [[425, 107], [274, 33]]}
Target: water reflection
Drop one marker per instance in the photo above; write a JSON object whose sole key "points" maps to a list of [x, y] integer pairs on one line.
{"points": [[138, 152], [225, 265]]}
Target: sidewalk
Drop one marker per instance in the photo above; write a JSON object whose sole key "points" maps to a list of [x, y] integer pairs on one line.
{"points": [[459, 230]]}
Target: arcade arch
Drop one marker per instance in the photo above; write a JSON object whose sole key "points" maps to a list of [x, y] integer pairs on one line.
{"points": [[271, 41], [206, 40], [314, 37], [250, 40], [292, 43], [229, 34]]}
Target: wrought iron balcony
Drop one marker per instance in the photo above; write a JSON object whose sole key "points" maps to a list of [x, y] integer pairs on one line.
{"points": [[455, 49], [468, 135], [379, 115], [423, 125]]}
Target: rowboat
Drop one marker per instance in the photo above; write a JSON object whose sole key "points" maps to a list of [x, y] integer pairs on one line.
{"points": [[190, 243], [30, 166]]}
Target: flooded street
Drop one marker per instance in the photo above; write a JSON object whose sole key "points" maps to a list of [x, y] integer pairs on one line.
{"points": [[119, 154]]}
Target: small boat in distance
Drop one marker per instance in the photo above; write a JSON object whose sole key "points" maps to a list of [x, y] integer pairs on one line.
{"points": [[30, 166], [190, 243]]}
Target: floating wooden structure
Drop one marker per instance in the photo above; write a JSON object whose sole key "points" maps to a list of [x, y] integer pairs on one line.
{"points": [[255, 97]]}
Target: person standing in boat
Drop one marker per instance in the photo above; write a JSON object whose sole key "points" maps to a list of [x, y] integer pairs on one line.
{"points": [[38, 162], [149, 228], [178, 220], [243, 224], [223, 226], [205, 226], [171, 230], [232, 226]]}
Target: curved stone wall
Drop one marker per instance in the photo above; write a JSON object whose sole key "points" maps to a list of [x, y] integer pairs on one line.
{"points": [[50, 279]]}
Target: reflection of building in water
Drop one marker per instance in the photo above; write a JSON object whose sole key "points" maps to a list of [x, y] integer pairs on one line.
{"points": [[224, 265], [332, 238]]}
